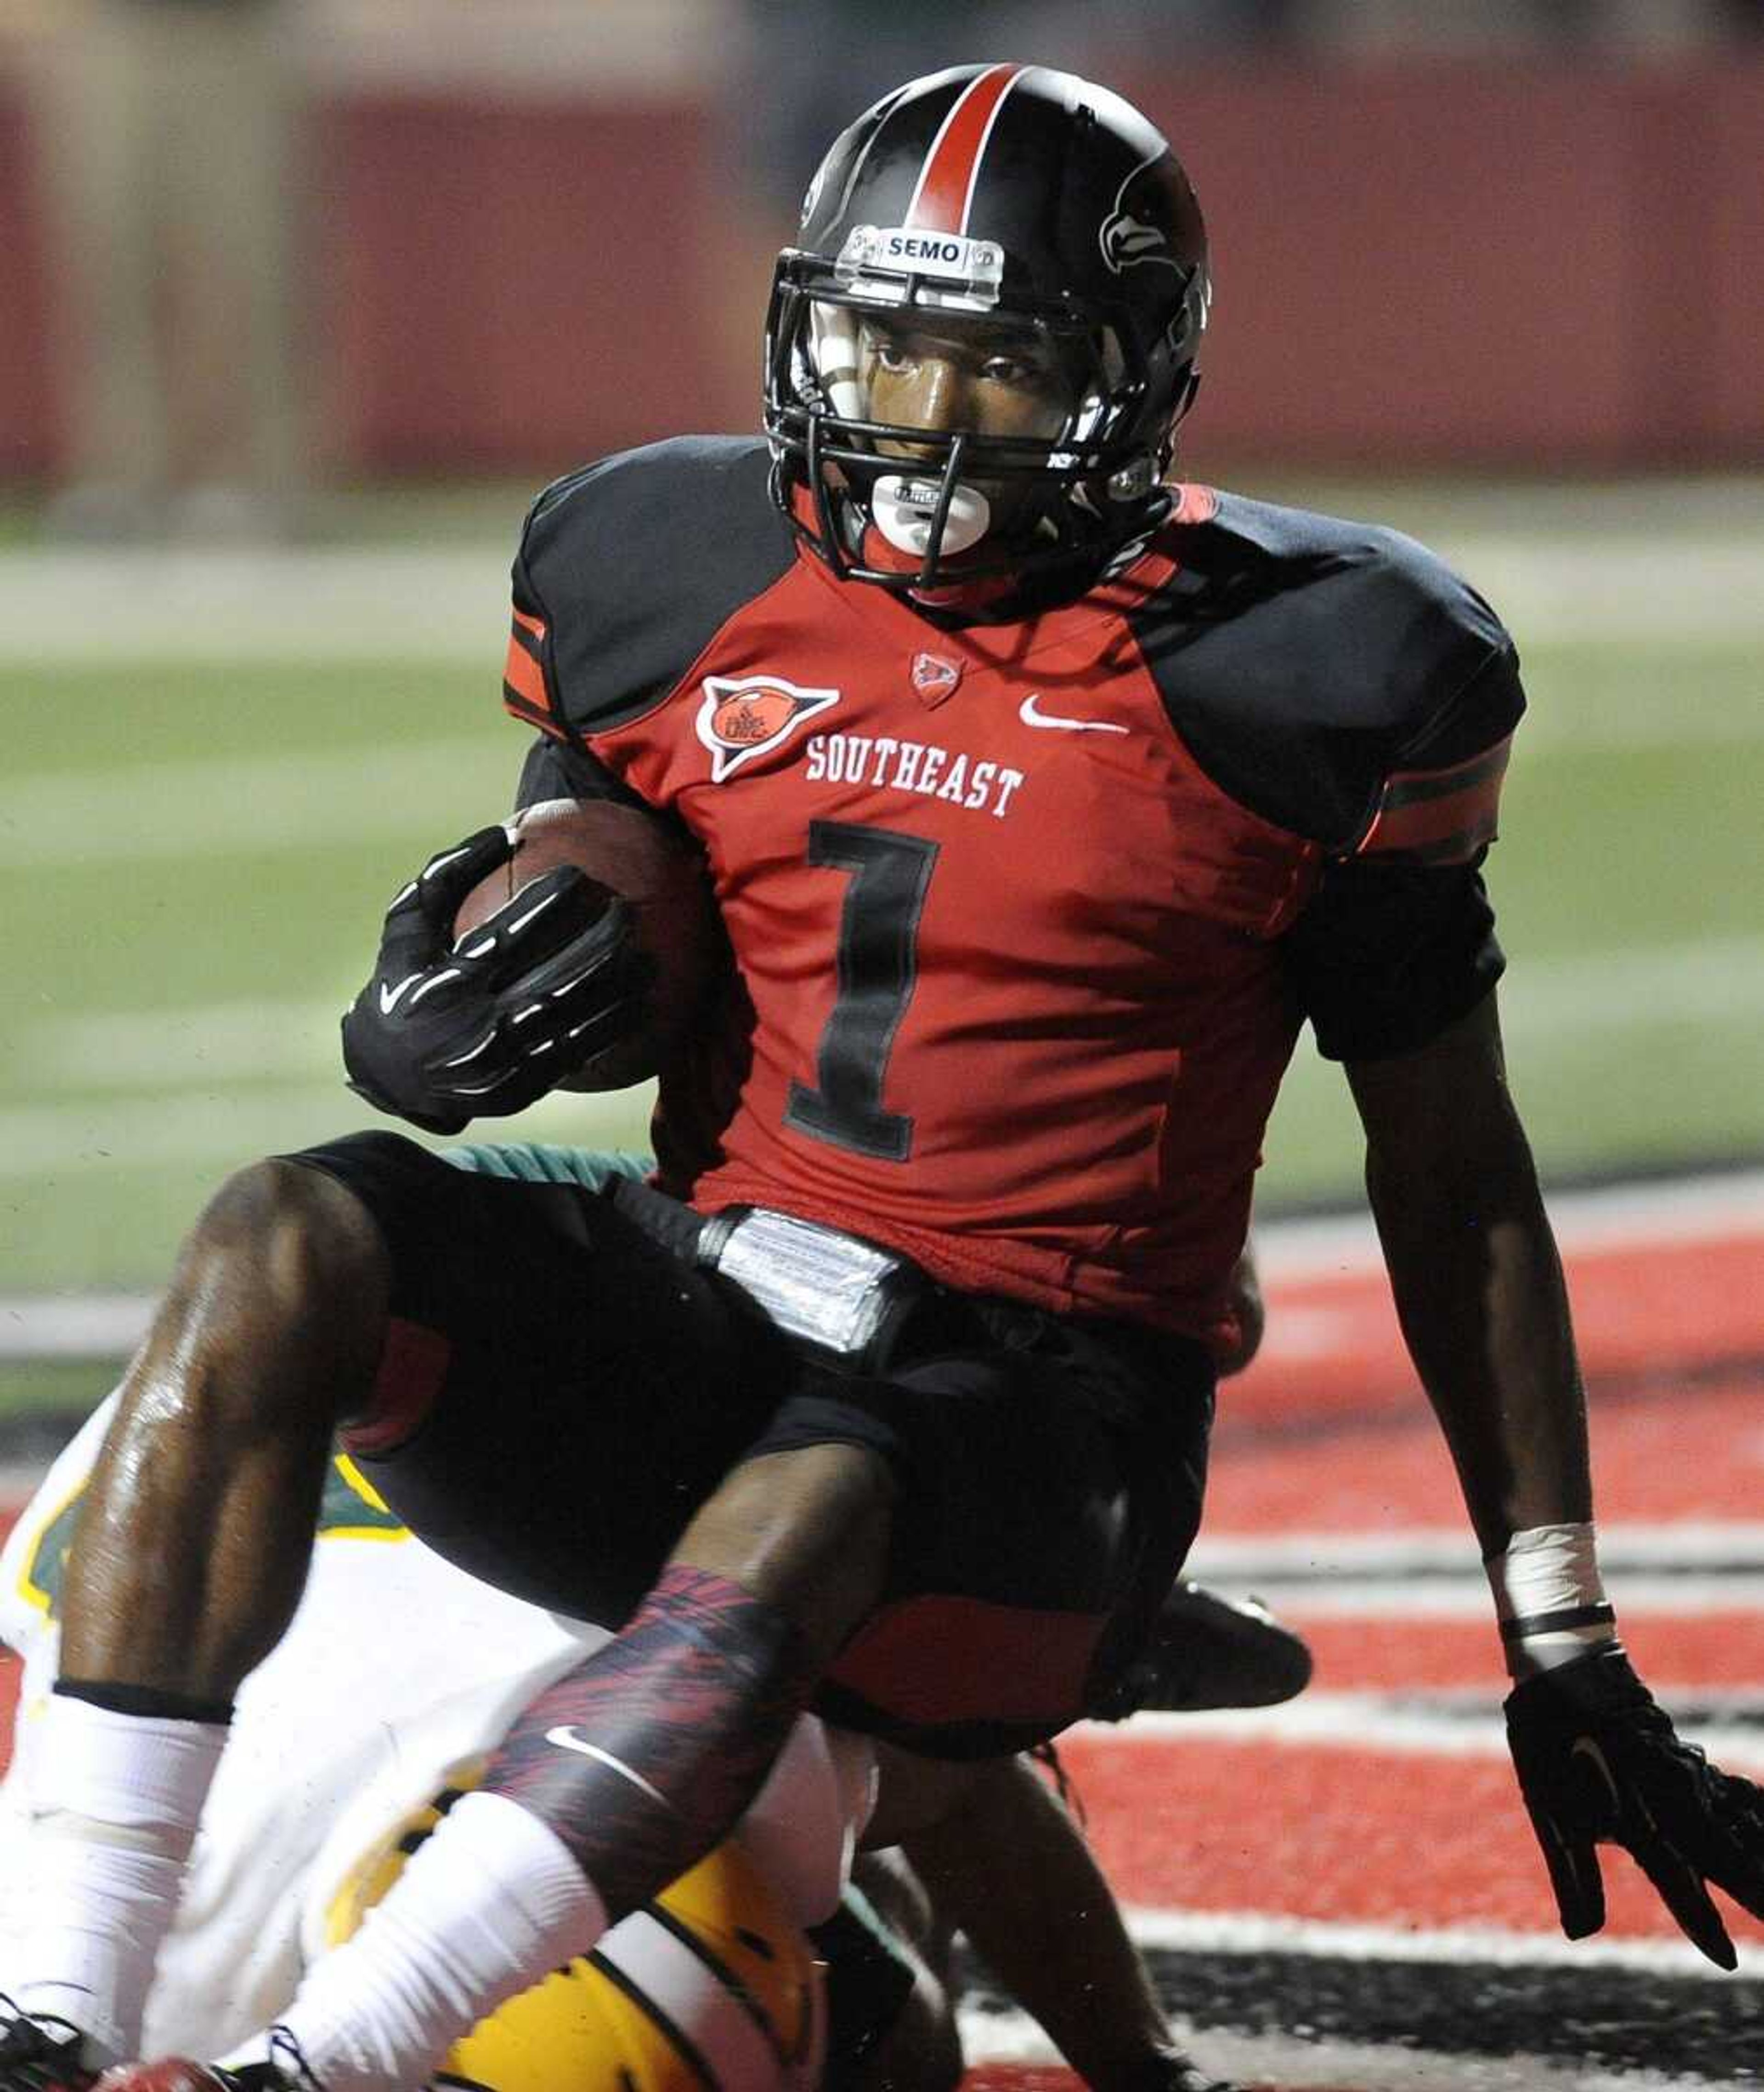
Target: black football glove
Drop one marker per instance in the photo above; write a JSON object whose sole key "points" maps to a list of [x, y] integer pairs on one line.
{"points": [[445, 1033], [1599, 1761]]}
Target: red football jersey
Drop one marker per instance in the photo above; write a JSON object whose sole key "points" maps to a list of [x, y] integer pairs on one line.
{"points": [[1013, 952]]}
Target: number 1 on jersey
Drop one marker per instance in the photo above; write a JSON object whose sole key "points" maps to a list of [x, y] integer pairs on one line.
{"points": [[877, 966]]}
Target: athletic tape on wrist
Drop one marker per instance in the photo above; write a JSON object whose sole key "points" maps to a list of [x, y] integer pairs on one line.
{"points": [[1549, 1597]]}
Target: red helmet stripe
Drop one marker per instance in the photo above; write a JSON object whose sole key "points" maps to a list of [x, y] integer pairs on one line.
{"points": [[944, 192]]}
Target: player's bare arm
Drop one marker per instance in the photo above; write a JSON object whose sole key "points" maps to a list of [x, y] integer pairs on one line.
{"points": [[1478, 1289], [1474, 1272]]}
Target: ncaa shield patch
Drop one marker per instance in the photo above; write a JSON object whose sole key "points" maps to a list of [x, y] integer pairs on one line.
{"points": [[743, 716]]}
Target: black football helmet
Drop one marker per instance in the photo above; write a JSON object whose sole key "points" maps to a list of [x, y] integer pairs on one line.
{"points": [[995, 197]]}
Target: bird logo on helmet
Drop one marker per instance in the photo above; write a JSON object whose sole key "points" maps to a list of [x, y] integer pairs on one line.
{"points": [[997, 198], [1128, 242], [710, 1988]]}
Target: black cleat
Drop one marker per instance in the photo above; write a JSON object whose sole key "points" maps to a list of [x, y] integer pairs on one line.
{"points": [[40, 2053], [1208, 1651]]}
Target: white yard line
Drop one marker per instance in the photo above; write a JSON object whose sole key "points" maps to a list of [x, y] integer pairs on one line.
{"points": [[449, 603], [1591, 586], [227, 805], [294, 799], [1253, 1933], [1660, 1570], [1688, 1209], [1683, 718], [1708, 978], [102, 1325], [68, 608], [185, 1046], [1433, 1552], [1312, 1596], [192, 1045], [1302, 2063], [193, 1126], [1402, 1724]]}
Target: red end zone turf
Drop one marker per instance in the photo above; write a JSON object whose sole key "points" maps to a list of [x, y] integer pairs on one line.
{"points": [[1678, 1653], [1346, 1835], [1640, 1308], [1665, 1448]]}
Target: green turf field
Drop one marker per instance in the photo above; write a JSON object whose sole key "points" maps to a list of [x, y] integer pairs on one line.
{"points": [[195, 849]]}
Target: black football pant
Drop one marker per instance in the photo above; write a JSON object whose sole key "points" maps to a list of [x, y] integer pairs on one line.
{"points": [[559, 1392]]}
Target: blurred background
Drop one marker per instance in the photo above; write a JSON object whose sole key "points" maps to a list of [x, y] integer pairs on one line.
{"points": [[301, 299]]}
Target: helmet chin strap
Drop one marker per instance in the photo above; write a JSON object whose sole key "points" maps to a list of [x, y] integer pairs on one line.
{"points": [[904, 509]]}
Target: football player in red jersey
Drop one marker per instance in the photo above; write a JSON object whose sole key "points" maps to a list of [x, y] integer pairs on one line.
{"points": [[1045, 801]]}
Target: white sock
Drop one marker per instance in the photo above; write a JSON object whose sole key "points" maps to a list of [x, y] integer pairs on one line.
{"points": [[112, 1805], [490, 1904]]}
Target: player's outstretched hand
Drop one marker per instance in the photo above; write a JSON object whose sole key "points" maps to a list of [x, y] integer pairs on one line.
{"points": [[445, 1033], [1599, 1762]]}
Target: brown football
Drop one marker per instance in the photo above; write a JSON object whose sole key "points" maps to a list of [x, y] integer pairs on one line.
{"points": [[662, 876]]}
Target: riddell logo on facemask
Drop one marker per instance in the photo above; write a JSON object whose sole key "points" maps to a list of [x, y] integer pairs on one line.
{"points": [[744, 716]]}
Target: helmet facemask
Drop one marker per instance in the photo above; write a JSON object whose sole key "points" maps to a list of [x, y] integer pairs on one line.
{"points": [[959, 505]]}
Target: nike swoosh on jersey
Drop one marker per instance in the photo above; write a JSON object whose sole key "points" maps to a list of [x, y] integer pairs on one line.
{"points": [[1029, 712]]}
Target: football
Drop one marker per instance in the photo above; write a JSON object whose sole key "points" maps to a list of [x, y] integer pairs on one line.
{"points": [[650, 865]]}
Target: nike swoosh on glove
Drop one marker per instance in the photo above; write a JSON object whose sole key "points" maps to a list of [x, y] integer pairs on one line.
{"points": [[1600, 1763], [445, 1033]]}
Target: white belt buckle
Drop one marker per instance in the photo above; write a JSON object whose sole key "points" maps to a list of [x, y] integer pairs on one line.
{"points": [[827, 1288]]}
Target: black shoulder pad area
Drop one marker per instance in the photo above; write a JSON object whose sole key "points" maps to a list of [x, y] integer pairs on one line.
{"points": [[1304, 660], [634, 562]]}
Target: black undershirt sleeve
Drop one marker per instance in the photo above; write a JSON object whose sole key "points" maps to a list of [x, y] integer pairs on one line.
{"points": [[1387, 955], [560, 770]]}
